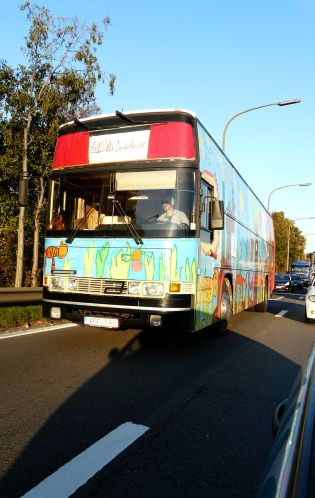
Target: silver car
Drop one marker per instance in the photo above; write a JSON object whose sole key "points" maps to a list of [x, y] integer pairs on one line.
{"points": [[310, 303], [290, 468]]}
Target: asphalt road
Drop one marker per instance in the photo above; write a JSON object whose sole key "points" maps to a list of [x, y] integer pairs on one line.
{"points": [[206, 404]]}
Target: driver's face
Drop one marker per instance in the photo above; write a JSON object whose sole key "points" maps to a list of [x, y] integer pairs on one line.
{"points": [[166, 205]]}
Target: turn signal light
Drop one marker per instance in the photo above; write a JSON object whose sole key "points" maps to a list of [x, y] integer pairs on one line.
{"points": [[174, 287]]}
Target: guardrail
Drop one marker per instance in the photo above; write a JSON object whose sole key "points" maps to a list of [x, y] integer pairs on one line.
{"points": [[20, 295]]}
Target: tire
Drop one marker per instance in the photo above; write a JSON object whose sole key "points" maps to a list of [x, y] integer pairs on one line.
{"points": [[226, 310], [262, 307]]}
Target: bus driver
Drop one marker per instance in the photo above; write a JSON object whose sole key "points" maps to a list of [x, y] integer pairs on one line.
{"points": [[172, 215]]}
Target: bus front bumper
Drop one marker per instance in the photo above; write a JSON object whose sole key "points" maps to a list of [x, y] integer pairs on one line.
{"points": [[171, 312]]}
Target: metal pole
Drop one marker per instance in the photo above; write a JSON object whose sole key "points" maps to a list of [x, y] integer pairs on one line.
{"points": [[288, 247]]}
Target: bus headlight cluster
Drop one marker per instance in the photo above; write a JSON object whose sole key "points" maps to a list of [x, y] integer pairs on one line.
{"points": [[61, 283], [134, 288], [312, 298], [153, 289], [72, 284]]}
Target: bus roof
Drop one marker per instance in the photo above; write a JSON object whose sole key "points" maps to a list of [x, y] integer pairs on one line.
{"points": [[128, 113]]}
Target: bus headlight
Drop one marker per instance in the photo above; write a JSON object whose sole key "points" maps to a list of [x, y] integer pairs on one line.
{"points": [[312, 298], [134, 288], [153, 289], [72, 284], [57, 283]]}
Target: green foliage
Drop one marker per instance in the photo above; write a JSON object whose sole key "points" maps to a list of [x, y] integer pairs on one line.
{"points": [[18, 315], [285, 228], [56, 83]]}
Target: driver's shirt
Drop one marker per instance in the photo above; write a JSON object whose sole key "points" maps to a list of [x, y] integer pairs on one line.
{"points": [[177, 217]]}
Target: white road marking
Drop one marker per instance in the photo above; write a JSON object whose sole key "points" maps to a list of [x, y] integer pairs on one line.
{"points": [[66, 480], [302, 298], [281, 314], [8, 335], [276, 298]]}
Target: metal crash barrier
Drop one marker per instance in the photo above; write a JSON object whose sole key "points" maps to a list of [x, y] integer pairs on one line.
{"points": [[20, 296]]}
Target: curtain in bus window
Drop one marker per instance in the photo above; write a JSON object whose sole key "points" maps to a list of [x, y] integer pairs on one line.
{"points": [[71, 150], [171, 140]]}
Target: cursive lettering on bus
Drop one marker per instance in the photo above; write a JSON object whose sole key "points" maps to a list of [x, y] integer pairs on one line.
{"points": [[117, 146]]}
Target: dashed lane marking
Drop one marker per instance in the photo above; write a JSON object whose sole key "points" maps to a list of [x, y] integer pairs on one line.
{"points": [[276, 298], [66, 480], [281, 313]]}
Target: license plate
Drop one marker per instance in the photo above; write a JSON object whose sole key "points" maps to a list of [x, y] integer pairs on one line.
{"points": [[96, 321]]}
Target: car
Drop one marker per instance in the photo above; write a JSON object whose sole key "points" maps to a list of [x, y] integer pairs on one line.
{"points": [[297, 282], [310, 303], [283, 282], [290, 468]]}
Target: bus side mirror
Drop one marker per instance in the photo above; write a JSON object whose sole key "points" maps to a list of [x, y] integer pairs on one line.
{"points": [[23, 192], [216, 221]]}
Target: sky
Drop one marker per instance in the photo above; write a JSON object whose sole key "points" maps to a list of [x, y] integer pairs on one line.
{"points": [[216, 59]]}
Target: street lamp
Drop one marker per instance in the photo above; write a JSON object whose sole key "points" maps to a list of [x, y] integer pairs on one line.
{"points": [[288, 243], [285, 186], [281, 104]]}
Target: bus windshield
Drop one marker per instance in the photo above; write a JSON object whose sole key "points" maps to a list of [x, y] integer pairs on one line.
{"points": [[300, 269], [155, 203]]}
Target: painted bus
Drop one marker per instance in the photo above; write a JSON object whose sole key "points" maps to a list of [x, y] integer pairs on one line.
{"points": [[151, 226]]}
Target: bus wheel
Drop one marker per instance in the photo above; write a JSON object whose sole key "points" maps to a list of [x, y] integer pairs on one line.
{"points": [[226, 310], [262, 307]]}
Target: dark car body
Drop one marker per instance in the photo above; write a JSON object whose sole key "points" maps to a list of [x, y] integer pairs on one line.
{"points": [[290, 470], [283, 282], [297, 282]]}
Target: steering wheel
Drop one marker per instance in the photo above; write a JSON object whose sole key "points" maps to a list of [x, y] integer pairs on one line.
{"points": [[152, 219]]}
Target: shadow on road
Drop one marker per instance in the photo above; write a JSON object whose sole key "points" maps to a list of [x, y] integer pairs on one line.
{"points": [[230, 385]]}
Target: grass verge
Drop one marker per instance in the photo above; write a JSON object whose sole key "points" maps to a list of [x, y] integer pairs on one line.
{"points": [[13, 316]]}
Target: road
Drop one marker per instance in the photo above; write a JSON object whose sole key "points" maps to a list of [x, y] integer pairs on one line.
{"points": [[203, 405]]}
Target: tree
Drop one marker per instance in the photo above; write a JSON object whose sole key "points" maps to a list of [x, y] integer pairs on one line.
{"points": [[57, 83], [284, 227]]}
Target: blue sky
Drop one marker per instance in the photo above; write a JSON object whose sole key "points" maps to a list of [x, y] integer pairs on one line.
{"points": [[216, 59]]}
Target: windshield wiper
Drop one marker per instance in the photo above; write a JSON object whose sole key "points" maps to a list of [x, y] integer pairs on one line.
{"points": [[74, 232], [133, 232], [126, 118]]}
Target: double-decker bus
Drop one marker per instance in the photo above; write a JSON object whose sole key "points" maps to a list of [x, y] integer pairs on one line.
{"points": [[150, 225]]}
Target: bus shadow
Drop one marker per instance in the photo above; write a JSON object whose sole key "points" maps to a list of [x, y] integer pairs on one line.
{"points": [[172, 364]]}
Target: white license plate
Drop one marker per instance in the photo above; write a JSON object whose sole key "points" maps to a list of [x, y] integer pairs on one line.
{"points": [[96, 321]]}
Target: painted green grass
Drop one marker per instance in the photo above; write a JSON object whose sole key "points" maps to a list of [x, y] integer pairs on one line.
{"points": [[13, 316]]}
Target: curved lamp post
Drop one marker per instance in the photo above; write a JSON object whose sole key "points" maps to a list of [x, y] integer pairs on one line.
{"points": [[288, 243], [285, 186], [283, 103]]}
